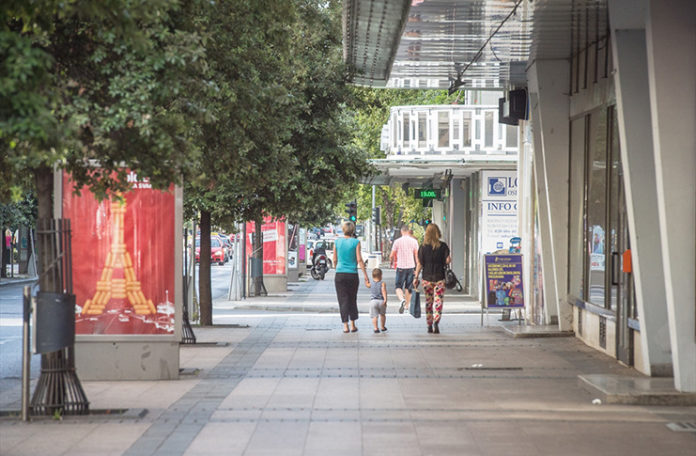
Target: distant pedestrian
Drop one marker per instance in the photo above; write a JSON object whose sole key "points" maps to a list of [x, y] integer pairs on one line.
{"points": [[378, 300], [405, 253], [433, 258], [347, 258]]}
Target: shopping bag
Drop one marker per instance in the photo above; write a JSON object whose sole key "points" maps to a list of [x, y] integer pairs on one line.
{"points": [[415, 307]]}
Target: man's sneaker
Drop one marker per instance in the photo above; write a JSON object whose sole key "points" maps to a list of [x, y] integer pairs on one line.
{"points": [[403, 305]]}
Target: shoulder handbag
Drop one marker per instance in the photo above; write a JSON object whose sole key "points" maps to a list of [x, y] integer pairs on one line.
{"points": [[450, 278], [415, 307]]}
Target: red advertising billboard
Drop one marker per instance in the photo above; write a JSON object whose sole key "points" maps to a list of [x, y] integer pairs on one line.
{"points": [[274, 245], [123, 260]]}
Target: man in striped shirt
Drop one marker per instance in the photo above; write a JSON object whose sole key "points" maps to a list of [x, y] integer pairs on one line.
{"points": [[405, 253]]}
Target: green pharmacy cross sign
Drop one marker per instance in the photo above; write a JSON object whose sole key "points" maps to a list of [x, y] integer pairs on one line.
{"points": [[428, 193]]}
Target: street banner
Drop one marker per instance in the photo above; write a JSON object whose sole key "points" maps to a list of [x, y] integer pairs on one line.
{"points": [[503, 281], [498, 209], [123, 255], [274, 247]]}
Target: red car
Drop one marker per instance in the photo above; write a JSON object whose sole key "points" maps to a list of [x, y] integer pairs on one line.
{"points": [[217, 251]]}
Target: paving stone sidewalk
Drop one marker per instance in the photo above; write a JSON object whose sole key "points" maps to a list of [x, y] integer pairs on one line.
{"points": [[295, 384]]}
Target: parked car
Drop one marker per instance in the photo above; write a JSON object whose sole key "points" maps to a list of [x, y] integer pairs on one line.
{"points": [[217, 250]]}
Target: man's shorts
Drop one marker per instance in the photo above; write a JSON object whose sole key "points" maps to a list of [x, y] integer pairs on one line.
{"points": [[377, 307], [404, 279]]}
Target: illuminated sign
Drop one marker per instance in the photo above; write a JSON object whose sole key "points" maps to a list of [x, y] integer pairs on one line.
{"points": [[428, 193]]}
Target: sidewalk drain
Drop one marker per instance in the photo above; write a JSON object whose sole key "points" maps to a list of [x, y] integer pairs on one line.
{"points": [[317, 329], [490, 368], [682, 426]]}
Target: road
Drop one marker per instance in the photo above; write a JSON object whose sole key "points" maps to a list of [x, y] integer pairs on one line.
{"points": [[11, 322], [219, 279], [11, 334]]}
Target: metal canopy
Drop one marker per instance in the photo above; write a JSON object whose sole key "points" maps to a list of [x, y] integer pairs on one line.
{"points": [[416, 171], [441, 37]]}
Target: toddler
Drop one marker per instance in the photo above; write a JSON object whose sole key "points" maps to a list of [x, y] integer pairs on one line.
{"points": [[378, 300]]}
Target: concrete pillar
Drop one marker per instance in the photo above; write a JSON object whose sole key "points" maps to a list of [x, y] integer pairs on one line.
{"points": [[457, 223], [550, 295], [438, 214], [627, 20], [671, 55], [525, 215], [549, 81]]}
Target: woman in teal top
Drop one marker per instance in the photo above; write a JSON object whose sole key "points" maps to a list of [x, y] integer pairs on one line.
{"points": [[347, 258]]}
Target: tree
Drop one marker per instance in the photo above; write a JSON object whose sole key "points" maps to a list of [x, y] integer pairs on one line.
{"points": [[94, 88], [372, 110]]}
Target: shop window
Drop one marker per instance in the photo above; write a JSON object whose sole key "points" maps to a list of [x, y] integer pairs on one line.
{"points": [[596, 235]]}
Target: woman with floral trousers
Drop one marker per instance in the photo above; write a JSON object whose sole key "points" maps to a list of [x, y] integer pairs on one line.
{"points": [[433, 258]]}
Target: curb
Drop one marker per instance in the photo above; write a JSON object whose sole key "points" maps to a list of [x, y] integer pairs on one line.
{"points": [[6, 282]]}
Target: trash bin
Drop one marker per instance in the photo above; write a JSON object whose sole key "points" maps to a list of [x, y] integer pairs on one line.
{"points": [[54, 321]]}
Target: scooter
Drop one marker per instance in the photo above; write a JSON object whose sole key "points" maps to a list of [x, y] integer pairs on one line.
{"points": [[319, 267]]}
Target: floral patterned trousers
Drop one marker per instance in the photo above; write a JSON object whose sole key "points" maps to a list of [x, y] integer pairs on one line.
{"points": [[434, 292]]}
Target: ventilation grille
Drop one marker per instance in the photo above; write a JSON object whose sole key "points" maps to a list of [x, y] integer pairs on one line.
{"points": [[603, 332]]}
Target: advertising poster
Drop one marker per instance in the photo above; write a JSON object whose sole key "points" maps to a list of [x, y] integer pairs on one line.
{"points": [[503, 280], [123, 260], [274, 247], [303, 244], [498, 209]]}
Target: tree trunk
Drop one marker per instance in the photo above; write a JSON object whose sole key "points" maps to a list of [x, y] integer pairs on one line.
{"points": [[4, 253], [258, 255], [44, 190], [205, 289]]}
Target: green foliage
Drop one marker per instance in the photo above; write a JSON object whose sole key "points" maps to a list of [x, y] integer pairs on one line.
{"points": [[372, 110], [94, 82]]}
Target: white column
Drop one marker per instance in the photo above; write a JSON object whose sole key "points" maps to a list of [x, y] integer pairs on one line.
{"points": [[549, 80], [525, 214], [671, 52], [627, 19], [457, 218], [549, 288]]}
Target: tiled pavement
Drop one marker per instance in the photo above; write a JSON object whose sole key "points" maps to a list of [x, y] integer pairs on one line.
{"points": [[295, 384]]}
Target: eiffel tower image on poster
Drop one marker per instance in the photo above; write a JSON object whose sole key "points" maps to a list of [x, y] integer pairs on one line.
{"points": [[118, 279]]}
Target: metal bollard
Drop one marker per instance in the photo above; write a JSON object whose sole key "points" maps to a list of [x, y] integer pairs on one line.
{"points": [[26, 355]]}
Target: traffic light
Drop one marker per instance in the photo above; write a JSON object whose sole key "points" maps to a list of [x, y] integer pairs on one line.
{"points": [[352, 210], [376, 215]]}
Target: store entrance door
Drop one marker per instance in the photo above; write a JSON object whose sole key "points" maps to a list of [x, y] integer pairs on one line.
{"points": [[620, 278]]}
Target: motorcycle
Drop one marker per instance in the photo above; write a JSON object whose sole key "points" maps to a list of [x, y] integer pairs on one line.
{"points": [[319, 267]]}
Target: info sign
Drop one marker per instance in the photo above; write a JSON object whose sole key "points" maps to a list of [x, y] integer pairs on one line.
{"points": [[123, 259], [503, 281], [498, 209]]}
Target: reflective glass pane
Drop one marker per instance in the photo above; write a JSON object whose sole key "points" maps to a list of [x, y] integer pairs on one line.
{"points": [[455, 128], [407, 135], [422, 129], [466, 134], [596, 207], [488, 116], [442, 129], [510, 136]]}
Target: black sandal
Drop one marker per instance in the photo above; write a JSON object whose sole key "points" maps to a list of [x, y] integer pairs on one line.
{"points": [[376, 331], [354, 330], [384, 329]]}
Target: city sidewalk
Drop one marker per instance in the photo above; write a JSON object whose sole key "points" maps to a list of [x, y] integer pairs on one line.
{"points": [[291, 384], [309, 295]]}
